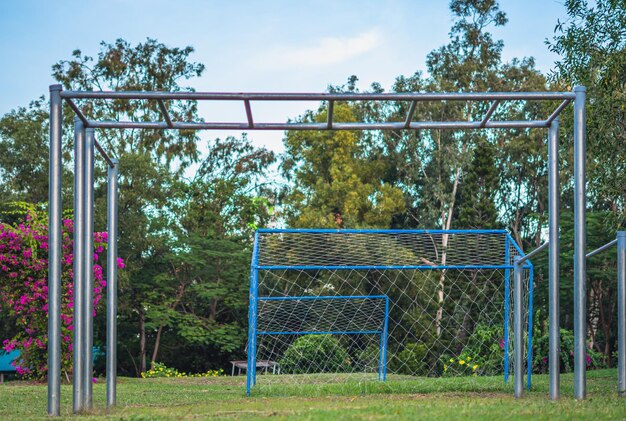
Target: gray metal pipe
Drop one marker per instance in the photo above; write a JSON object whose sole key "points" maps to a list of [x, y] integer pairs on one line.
{"points": [[112, 229], [601, 249], [533, 253], [272, 96], [518, 332], [103, 154], [490, 111], [580, 272], [88, 269], [554, 340], [55, 251], [621, 313], [557, 111], [79, 262], [319, 126]]}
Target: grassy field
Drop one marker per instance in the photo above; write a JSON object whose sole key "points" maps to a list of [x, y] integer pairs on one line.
{"points": [[415, 398]]}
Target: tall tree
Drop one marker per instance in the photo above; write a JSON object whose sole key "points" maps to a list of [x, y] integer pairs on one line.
{"points": [[335, 185], [24, 154], [480, 184], [151, 161], [201, 299], [592, 49]]}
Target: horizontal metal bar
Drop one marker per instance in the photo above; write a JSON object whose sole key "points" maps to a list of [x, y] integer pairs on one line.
{"points": [[166, 115], [533, 253], [324, 297], [557, 111], [382, 267], [332, 332], [425, 125], [601, 249], [374, 231], [490, 111], [104, 155], [304, 96], [78, 112]]}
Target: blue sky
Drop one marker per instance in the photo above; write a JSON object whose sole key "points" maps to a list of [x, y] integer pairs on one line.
{"points": [[270, 45]]}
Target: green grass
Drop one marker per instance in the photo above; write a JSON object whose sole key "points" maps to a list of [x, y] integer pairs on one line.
{"points": [[399, 398]]}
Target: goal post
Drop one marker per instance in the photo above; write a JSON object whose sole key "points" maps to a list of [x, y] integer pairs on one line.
{"points": [[335, 306]]}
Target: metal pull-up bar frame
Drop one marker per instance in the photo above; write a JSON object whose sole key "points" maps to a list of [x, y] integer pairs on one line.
{"points": [[83, 203], [497, 99]]}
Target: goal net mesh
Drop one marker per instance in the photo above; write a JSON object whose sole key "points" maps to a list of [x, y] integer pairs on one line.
{"points": [[340, 306]]}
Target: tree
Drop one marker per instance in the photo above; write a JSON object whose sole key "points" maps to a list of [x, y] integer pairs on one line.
{"points": [[151, 161], [334, 184], [24, 155], [201, 296], [592, 50], [480, 184]]}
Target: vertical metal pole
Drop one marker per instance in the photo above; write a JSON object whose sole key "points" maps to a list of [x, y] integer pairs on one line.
{"points": [[554, 346], [529, 342], [54, 251], [518, 332], [111, 369], [79, 261], [580, 273], [507, 298], [621, 313], [88, 268]]}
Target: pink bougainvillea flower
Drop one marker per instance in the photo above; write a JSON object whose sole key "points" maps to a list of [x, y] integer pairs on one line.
{"points": [[24, 290]]}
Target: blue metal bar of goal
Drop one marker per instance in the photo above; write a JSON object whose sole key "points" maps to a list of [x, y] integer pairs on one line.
{"points": [[383, 332]]}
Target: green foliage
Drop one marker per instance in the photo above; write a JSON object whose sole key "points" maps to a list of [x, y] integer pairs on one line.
{"points": [[463, 365], [160, 370], [335, 185], [368, 359], [593, 358], [24, 154], [147, 66], [480, 184], [591, 45], [315, 354], [411, 360], [485, 348]]}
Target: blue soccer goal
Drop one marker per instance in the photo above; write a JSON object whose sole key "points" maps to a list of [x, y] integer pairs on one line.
{"points": [[342, 306]]}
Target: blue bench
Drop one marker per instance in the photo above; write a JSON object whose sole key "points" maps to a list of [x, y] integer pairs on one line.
{"points": [[5, 363]]}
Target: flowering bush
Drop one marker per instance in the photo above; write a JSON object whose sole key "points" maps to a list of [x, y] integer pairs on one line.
{"points": [[24, 290], [161, 370], [593, 358], [463, 365]]}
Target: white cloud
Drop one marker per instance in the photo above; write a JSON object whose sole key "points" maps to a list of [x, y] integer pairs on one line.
{"points": [[327, 51]]}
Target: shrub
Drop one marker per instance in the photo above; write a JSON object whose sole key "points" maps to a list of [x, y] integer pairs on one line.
{"points": [[315, 354], [159, 370], [369, 359], [594, 358], [463, 365], [24, 290], [412, 360], [485, 347]]}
